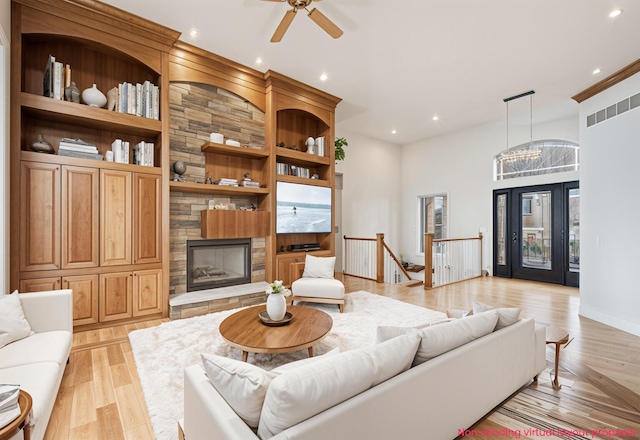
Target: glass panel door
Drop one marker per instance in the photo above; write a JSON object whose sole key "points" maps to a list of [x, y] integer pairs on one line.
{"points": [[572, 275], [536, 230]]}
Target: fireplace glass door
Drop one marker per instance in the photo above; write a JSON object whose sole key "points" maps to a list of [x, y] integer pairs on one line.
{"points": [[218, 263]]}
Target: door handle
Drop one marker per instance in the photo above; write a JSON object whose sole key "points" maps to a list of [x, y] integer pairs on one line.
{"points": [[515, 237]]}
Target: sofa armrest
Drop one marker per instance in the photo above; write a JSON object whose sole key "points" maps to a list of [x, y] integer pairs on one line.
{"points": [[49, 310], [540, 362], [295, 271], [207, 416]]}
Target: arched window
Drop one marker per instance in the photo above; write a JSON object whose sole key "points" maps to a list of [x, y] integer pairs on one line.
{"points": [[537, 157]]}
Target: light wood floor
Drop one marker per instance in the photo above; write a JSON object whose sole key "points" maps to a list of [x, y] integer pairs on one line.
{"points": [[101, 397]]}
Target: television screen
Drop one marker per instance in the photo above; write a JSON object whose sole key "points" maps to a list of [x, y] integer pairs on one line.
{"points": [[302, 208]]}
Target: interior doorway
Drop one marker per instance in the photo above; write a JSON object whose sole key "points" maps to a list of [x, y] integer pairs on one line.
{"points": [[537, 233]]}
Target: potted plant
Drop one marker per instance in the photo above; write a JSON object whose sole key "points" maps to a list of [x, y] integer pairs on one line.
{"points": [[339, 144]]}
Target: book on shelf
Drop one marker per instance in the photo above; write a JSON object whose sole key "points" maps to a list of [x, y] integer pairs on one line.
{"points": [[143, 154], [48, 77], [250, 184], [79, 148], [226, 182], [136, 99], [120, 150]]}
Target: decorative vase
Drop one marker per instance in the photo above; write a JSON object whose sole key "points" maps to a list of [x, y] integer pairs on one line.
{"points": [[40, 145], [94, 97], [276, 306]]}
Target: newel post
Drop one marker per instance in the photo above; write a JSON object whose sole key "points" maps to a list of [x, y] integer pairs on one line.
{"points": [[428, 260], [379, 258]]}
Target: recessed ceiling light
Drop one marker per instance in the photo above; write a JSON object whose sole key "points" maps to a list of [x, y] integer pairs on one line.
{"points": [[258, 60], [615, 13], [435, 117], [393, 132], [596, 71], [323, 77], [194, 32]]}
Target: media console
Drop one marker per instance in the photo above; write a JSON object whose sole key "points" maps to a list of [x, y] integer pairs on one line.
{"points": [[305, 247]]}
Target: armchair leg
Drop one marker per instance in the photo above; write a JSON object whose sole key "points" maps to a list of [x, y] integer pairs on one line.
{"points": [[341, 308]]}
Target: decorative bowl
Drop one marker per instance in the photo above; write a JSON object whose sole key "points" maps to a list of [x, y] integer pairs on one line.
{"points": [[264, 317]]}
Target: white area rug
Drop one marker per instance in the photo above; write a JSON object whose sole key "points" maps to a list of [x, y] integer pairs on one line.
{"points": [[163, 352]]}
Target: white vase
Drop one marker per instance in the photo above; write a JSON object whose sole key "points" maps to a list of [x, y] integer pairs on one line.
{"points": [[94, 97], [276, 306]]}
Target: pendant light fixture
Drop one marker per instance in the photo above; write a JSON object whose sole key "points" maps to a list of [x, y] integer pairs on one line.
{"points": [[522, 151]]}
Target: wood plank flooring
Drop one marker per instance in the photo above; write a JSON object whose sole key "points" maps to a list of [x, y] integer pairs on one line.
{"points": [[101, 397]]}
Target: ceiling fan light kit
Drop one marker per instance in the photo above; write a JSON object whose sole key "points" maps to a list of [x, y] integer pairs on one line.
{"points": [[318, 17]]}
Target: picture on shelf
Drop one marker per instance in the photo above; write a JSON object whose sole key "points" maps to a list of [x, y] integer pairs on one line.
{"points": [[302, 208]]}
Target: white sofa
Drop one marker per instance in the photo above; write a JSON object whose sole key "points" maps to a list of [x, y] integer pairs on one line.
{"points": [[432, 400], [37, 362]]}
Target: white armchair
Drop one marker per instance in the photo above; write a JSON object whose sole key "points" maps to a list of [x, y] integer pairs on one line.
{"points": [[313, 281]]}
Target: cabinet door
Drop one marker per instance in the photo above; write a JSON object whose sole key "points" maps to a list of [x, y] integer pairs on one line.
{"points": [[115, 217], [115, 296], [39, 284], [147, 218], [282, 268], [147, 292], [80, 195], [40, 216], [85, 298]]}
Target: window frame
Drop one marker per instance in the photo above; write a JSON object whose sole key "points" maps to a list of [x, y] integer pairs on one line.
{"points": [[421, 215]]}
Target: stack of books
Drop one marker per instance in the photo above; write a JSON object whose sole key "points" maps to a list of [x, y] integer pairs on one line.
{"points": [[292, 170], [78, 148], [143, 154], [248, 183], [9, 408], [135, 99], [226, 182]]}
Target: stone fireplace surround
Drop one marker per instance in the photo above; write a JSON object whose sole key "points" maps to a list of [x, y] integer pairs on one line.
{"points": [[196, 110]]}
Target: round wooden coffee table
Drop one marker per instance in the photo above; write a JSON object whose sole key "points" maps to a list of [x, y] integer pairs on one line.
{"points": [[22, 422], [244, 330]]}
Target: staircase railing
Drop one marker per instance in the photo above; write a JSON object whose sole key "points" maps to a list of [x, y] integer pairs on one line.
{"points": [[372, 259], [451, 260]]}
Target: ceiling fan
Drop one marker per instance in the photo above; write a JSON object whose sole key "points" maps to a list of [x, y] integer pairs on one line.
{"points": [[318, 17]]}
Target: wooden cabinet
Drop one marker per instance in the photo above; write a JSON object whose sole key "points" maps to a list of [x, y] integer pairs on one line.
{"points": [[80, 209], [284, 261], [115, 217], [40, 216], [130, 294], [39, 284], [147, 218], [116, 290], [147, 288], [85, 298]]}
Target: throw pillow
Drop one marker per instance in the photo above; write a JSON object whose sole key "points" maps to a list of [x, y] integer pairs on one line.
{"points": [[301, 393], [13, 324], [319, 267], [393, 356], [441, 338], [506, 316], [242, 385], [299, 363]]}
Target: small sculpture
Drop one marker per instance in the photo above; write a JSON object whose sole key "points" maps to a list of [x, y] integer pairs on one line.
{"points": [[72, 93], [179, 168], [40, 145]]}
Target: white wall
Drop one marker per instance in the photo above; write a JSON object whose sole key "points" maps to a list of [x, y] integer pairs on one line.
{"points": [[5, 17], [460, 165], [610, 245], [372, 186]]}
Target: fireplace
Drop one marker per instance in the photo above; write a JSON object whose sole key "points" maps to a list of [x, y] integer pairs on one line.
{"points": [[218, 263]]}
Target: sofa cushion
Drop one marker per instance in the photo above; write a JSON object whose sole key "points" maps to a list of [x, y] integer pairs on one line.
{"points": [[304, 361], [40, 380], [40, 347], [319, 267], [318, 288], [441, 338], [393, 356], [298, 394], [241, 384], [13, 325], [506, 316]]}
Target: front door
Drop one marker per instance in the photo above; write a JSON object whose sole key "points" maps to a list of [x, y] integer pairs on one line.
{"points": [[535, 233]]}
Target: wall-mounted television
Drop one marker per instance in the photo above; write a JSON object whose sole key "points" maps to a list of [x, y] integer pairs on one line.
{"points": [[302, 209]]}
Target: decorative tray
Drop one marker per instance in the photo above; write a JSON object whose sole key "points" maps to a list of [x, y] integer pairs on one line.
{"points": [[264, 317]]}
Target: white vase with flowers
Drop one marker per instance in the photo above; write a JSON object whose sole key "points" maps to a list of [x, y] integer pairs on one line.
{"points": [[276, 300]]}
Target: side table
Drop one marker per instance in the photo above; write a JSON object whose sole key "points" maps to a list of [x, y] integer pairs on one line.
{"points": [[557, 336], [23, 421]]}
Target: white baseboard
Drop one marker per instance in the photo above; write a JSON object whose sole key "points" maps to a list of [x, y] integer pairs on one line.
{"points": [[611, 321]]}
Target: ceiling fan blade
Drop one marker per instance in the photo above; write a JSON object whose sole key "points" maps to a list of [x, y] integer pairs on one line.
{"points": [[283, 26], [321, 20]]}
